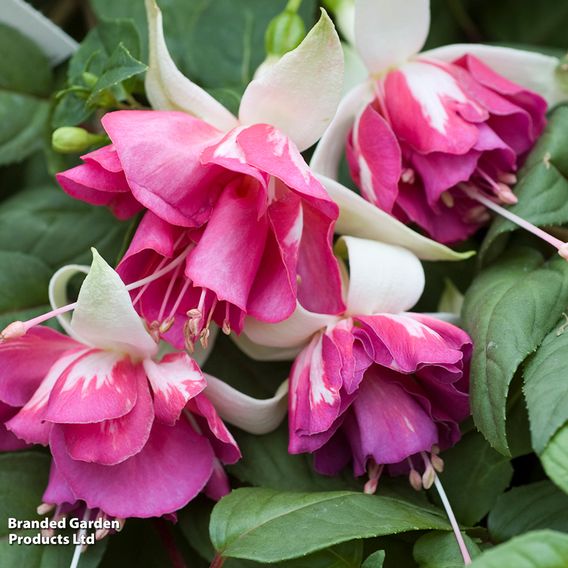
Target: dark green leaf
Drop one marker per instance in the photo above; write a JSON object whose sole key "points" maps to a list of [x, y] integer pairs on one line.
{"points": [[554, 458], [539, 549], [531, 507], [270, 526], [24, 106], [472, 467], [542, 188], [440, 550], [545, 386], [120, 67], [509, 309]]}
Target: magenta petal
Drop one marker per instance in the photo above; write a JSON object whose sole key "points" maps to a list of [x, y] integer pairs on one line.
{"points": [[8, 441], [218, 485], [112, 441], [57, 491], [376, 159], [170, 471], [25, 361], [224, 445], [30, 424], [174, 380], [160, 154], [97, 386], [402, 343], [386, 423], [227, 256]]}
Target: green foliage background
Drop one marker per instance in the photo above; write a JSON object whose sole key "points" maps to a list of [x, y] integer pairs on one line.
{"points": [[508, 477]]}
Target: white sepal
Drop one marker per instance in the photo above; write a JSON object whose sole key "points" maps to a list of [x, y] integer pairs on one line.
{"points": [[167, 88], [299, 94], [253, 415], [263, 352]]}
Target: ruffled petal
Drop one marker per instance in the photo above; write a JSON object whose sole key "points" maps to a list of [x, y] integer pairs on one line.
{"points": [[174, 380], [170, 471], [113, 441]]}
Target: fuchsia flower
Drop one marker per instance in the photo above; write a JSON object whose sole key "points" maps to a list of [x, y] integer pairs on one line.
{"points": [[234, 197], [431, 135], [131, 433], [379, 386]]}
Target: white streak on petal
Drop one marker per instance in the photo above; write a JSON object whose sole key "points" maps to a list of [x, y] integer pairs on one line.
{"points": [[256, 416], [359, 218], [168, 89], [534, 71], [389, 32], [299, 94], [382, 278]]}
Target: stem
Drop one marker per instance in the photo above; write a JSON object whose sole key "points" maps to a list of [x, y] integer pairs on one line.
{"points": [[456, 528], [556, 243], [169, 544], [293, 5], [217, 562]]}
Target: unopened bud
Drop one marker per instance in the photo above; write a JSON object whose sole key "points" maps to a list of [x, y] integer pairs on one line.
{"points": [[285, 32], [90, 79], [72, 139]]}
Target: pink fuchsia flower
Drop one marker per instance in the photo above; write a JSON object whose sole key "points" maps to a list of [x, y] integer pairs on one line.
{"points": [[131, 433], [232, 194], [379, 386], [433, 137]]}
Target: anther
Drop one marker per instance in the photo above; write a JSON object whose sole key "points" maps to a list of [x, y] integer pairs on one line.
{"points": [[408, 176], [447, 199], [44, 509]]}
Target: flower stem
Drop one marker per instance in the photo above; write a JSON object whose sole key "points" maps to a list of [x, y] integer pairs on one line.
{"points": [[456, 528], [217, 562]]}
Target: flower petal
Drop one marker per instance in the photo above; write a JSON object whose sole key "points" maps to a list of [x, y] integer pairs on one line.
{"points": [[263, 352], [299, 94], [57, 491], [388, 32], [532, 70], [252, 415], [96, 386], [104, 315], [9, 442], [25, 361], [170, 471], [112, 441], [293, 332], [360, 218], [382, 278], [168, 89], [175, 380], [329, 151]]}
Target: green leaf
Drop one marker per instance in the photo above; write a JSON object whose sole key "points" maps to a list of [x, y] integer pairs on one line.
{"points": [[120, 67], [554, 459], [440, 550], [530, 507], [374, 560], [545, 386], [539, 549], [472, 467], [542, 186], [270, 526], [42, 229], [24, 107], [509, 309]]}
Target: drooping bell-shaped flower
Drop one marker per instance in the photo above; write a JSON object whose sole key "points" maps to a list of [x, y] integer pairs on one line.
{"points": [[379, 386], [131, 432], [232, 195], [434, 138]]}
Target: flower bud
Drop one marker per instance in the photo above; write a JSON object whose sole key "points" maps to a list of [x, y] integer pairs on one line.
{"points": [[284, 33], [90, 79], [72, 139]]}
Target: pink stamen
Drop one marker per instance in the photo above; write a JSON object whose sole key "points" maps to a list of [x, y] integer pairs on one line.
{"points": [[452, 518], [168, 292], [561, 246], [183, 290]]}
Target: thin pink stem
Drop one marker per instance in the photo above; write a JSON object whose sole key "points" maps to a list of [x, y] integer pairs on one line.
{"points": [[556, 243], [459, 538]]}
